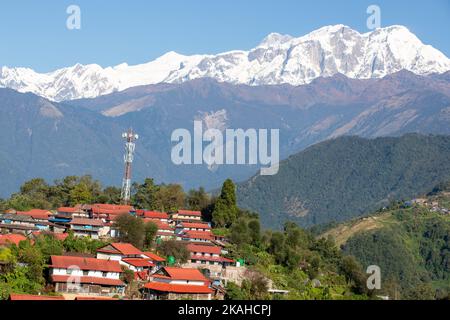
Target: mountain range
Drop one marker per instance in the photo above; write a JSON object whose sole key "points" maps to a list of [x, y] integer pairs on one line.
{"points": [[278, 59], [50, 140], [330, 83]]}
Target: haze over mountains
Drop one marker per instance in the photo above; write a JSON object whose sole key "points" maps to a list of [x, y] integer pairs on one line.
{"points": [[278, 59]]}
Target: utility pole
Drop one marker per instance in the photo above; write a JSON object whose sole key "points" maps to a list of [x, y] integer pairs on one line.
{"points": [[130, 145]]}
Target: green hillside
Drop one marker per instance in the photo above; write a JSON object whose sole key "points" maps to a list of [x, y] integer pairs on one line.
{"points": [[410, 243], [347, 177]]}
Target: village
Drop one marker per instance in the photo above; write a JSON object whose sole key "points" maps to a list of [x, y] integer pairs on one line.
{"points": [[100, 276]]}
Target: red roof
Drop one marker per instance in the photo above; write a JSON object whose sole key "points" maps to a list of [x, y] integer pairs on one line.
{"points": [[113, 206], [154, 256], [161, 225], [206, 235], [87, 222], [195, 225], [11, 238], [177, 288], [15, 296], [189, 213], [64, 262], [138, 262], [126, 248], [95, 298], [184, 274], [155, 215], [68, 209], [90, 280], [210, 258], [204, 249], [36, 214]]}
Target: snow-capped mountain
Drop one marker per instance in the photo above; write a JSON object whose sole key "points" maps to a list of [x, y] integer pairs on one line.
{"points": [[277, 59]]}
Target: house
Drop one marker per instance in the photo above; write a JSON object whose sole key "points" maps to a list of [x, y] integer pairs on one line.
{"points": [[154, 215], [29, 297], [118, 251], [37, 214], [165, 231], [109, 212], [186, 216], [177, 283], [24, 224], [9, 239], [195, 236], [207, 255], [93, 228], [82, 275], [73, 212], [157, 260], [192, 226]]}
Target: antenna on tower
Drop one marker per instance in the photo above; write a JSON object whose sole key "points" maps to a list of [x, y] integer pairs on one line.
{"points": [[130, 145]]}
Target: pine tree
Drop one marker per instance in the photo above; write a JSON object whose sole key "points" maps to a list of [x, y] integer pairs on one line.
{"points": [[225, 210]]}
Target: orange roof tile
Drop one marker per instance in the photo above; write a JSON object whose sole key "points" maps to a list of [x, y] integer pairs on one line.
{"points": [[184, 274], [177, 288], [83, 263], [155, 215], [138, 262], [189, 212], [11, 238], [154, 256], [193, 225], [204, 249], [15, 296]]}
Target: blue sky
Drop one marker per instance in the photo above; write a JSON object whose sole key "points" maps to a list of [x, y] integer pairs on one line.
{"points": [[34, 34]]}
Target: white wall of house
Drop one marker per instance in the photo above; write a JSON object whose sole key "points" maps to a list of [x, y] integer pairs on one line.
{"points": [[109, 256], [81, 273]]}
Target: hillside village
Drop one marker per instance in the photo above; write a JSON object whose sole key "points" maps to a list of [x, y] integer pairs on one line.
{"points": [[83, 276]]}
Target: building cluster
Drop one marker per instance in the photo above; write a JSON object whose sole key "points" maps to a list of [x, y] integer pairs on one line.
{"points": [[100, 276]]}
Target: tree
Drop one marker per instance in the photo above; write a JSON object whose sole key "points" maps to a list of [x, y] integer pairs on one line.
{"points": [[176, 249], [131, 229], [198, 199], [225, 209], [352, 270], [109, 195], [169, 197], [150, 230], [80, 194], [144, 196]]}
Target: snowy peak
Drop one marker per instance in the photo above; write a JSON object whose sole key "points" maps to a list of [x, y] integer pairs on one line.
{"points": [[277, 59]]}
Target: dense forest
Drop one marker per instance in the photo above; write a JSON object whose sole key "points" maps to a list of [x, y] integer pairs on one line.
{"points": [[410, 243], [340, 179]]}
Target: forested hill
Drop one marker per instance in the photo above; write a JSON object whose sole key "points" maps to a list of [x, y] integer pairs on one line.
{"points": [[340, 179], [409, 241]]}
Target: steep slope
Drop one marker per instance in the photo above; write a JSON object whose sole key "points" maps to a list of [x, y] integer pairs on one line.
{"points": [[278, 59], [44, 139], [340, 179], [409, 242]]}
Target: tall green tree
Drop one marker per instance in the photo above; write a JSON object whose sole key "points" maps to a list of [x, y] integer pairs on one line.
{"points": [[131, 229], [225, 209]]}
